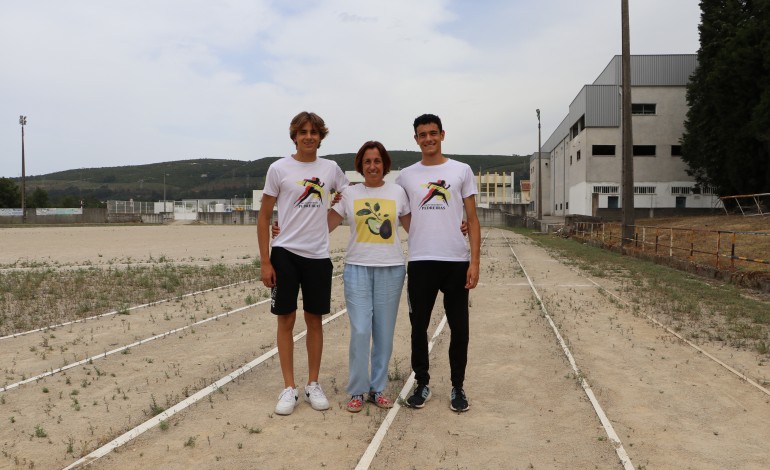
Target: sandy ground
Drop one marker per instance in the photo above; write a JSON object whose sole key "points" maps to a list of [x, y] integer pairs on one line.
{"points": [[671, 406]]}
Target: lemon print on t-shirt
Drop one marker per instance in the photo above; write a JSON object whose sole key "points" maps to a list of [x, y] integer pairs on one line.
{"points": [[374, 220]]}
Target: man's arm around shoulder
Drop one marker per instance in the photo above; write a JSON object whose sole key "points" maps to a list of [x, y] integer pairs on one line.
{"points": [[263, 239]]}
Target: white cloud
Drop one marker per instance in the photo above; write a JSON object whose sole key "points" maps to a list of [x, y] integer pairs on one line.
{"points": [[132, 82]]}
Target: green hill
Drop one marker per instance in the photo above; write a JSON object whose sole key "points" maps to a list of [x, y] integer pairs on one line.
{"points": [[214, 178]]}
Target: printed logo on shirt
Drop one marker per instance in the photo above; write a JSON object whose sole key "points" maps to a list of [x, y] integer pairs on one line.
{"points": [[374, 220], [313, 194], [438, 192]]}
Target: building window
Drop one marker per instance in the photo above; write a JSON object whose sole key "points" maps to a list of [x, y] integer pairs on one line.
{"points": [[685, 190], [566, 205], [676, 150], [612, 202], [644, 150], [605, 150], [606, 189], [578, 155], [644, 189], [578, 127], [643, 108], [570, 159]]}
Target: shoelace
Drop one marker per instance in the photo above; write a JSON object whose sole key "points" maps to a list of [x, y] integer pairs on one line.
{"points": [[315, 391]]}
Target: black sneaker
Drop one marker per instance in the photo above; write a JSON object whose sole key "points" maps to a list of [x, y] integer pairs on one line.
{"points": [[419, 397], [458, 401]]}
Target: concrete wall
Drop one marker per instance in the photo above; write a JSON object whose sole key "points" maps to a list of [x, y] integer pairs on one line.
{"points": [[154, 218], [89, 216], [228, 218], [124, 218], [490, 217]]}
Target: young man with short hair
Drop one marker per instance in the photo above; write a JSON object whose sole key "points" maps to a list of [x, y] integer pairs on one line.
{"points": [[439, 189], [301, 185]]}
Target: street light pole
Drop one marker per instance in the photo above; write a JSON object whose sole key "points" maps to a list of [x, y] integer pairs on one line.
{"points": [[539, 172], [23, 122]]}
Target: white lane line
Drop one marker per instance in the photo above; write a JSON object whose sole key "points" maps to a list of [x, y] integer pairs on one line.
{"points": [[484, 239], [76, 267], [115, 312], [152, 422], [685, 340], [558, 285], [382, 431], [128, 346], [137, 343], [611, 434], [374, 445]]}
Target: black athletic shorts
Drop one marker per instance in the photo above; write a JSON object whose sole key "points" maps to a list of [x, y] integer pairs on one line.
{"points": [[294, 272]]}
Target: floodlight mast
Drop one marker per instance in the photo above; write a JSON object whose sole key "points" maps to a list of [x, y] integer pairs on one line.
{"points": [[23, 122]]}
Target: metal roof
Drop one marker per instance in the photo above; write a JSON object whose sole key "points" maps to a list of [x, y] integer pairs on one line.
{"points": [[599, 102]]}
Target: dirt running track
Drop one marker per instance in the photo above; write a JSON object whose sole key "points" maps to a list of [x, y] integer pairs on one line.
{"points": [[670, 406]]}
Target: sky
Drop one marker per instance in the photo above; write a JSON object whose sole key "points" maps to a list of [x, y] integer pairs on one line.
{"points": [[131, 82]]}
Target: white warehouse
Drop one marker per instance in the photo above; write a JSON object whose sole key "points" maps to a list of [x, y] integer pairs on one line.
{"points": [[582, 159]]}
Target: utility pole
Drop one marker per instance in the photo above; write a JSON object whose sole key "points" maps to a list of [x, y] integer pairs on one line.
{"points": [[23, 122], [164, 191], [628, 141], [539, 172]]}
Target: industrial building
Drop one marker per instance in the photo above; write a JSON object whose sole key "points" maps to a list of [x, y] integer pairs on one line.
{"points": [[581, 161]]}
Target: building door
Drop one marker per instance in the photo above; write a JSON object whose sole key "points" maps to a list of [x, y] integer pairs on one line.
{"points": [[595, 205], [681, 202]]}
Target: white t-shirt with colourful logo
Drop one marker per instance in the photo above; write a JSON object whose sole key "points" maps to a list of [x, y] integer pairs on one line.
{"points": [[436, 194], [303, 192], [372, 214]]}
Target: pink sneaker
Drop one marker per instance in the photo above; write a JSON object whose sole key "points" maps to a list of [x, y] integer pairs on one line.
{"points": [[356, 403], [379, 399]]}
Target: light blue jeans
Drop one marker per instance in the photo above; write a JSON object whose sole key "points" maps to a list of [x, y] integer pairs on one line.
{"points": [[372, 295]]}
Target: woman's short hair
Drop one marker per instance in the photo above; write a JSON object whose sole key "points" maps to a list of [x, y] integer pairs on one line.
{"points": [[372, 144]]}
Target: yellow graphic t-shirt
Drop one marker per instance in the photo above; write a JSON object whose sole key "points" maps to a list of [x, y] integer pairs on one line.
{"points": [[373, 216], [375, 220]]}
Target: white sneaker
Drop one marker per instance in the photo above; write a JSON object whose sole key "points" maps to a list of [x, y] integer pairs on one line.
{"points": [[316, 397], [287, 400]]}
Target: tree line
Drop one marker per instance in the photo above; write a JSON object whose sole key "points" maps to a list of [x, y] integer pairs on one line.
{"points": [[192, 179], [727, 132], [10, 198]]}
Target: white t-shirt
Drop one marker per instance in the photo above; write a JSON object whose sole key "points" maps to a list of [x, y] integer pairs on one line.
{"points": [[302, 190], [436, 194], [373, 217]]}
